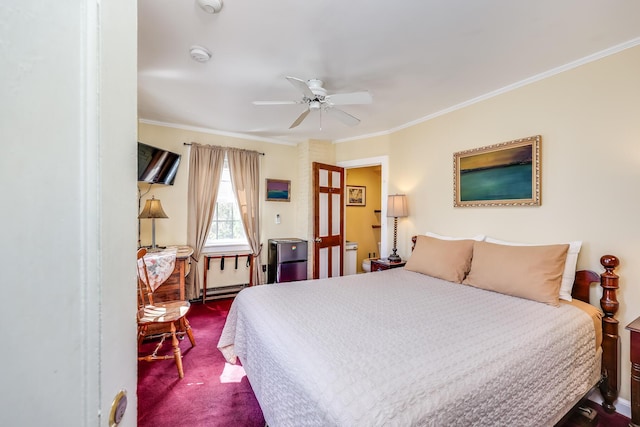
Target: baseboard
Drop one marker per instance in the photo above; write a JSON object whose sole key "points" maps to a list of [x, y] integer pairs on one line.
{"points": [[623, 406]]}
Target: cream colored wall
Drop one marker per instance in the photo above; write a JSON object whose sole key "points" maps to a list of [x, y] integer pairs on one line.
{"points": [[364, 148], [360, 219], [589, 119], [279, 162]]}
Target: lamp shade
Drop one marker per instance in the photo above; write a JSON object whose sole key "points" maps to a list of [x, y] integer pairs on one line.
{"points": [[152, 209], [397, 206]]}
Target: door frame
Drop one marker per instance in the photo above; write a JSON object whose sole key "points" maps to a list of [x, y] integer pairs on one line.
{"points": [[383, 162]]}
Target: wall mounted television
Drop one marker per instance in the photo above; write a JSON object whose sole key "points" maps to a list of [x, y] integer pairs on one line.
{"points": [[157, 166]]}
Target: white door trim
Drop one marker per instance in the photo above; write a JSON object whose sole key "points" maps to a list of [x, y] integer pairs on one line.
{"points": [[383, 162]]}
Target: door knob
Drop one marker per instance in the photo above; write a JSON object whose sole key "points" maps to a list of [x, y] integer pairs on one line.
{"points": [[318, 240]]}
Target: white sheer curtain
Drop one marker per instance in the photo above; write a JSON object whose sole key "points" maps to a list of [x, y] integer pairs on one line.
{"points": [[205, 169], [244, 167]]}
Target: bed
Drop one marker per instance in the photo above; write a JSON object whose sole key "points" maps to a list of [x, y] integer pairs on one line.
{"points": [[403, 347]]}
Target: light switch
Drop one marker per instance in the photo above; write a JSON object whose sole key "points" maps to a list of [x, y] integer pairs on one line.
{"points": [[277, 218]]}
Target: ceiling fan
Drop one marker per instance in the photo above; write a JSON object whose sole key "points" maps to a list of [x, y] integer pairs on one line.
{"points": [[315, 97]]}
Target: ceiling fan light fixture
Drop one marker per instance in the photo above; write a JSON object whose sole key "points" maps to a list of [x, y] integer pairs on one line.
{"points": [[210, 6], [316, 87], [200, 54]]}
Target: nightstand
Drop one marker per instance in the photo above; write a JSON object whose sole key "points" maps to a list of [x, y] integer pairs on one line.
{"points": [[385, 264], [634, 328]]}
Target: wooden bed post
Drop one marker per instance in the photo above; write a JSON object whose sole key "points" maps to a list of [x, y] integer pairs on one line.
{"points": [[610, 338]]}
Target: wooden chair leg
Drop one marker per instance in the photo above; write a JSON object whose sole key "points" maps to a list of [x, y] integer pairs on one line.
{"points": [[187, 328], [142, 332], [176, 350]]}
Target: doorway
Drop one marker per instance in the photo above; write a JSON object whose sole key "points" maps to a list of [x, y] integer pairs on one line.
{"points": [[365, 223]]}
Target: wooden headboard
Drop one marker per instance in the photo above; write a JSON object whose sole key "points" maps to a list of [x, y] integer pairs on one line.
{"points": [[609, 384], [582, 283]]}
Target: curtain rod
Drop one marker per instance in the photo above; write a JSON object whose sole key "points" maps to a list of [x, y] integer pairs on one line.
{"points": [[262, 154]]}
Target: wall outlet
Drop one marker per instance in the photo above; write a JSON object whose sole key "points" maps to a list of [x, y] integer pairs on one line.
{"points": [[264, 268]]}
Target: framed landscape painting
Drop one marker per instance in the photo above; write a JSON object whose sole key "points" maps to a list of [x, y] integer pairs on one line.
{"points": [[505, 174], [278, 190]]}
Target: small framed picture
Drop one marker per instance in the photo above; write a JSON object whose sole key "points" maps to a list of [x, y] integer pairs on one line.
{"points": [[356, 195], [278, 190]]}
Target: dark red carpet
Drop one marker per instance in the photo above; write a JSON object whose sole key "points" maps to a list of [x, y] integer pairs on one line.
{"points": [[210, 395], [202, 397], [603, 419]]}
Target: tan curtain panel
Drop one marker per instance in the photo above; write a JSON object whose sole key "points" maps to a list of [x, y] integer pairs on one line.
{"points": [[244, 167], [205, 170]]}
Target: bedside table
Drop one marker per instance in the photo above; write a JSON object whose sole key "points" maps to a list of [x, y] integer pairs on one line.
{"points": [[634, 328], [385, 264]]}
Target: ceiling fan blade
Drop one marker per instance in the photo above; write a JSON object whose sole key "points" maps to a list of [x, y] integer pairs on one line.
{"points": [[300, 118], [349, 98], [275, 102], [343, 116], [302, 86]]}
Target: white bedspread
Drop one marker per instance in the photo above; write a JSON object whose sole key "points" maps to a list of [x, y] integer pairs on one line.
{"points": [[397, 348]]}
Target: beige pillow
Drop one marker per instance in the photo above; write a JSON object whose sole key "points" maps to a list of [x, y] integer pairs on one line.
{"points": [[569, 273], [532, 272], [445, 259]]}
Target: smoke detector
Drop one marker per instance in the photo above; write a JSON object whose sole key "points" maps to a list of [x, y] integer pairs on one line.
{"points": [[210, 6], [200, 54]]}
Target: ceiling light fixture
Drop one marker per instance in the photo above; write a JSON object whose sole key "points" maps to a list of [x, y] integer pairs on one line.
{"points": [[210, 6], [200, 54]]}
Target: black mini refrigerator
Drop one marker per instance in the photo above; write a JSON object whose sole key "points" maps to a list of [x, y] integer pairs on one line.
{"points": [[287, 260]]}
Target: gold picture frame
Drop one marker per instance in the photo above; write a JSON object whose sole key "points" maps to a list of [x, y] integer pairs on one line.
{"points": [[278, 190], [504, 174]]}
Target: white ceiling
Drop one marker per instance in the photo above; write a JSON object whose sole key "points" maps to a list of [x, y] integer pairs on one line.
{"points": [[417, 58]]}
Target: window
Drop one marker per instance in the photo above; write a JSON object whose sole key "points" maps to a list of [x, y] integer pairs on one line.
{"points": [[226, 226]]}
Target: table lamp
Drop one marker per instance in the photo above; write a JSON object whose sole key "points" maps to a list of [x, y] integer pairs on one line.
{"points": [[152, 209], [396, 208]]}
